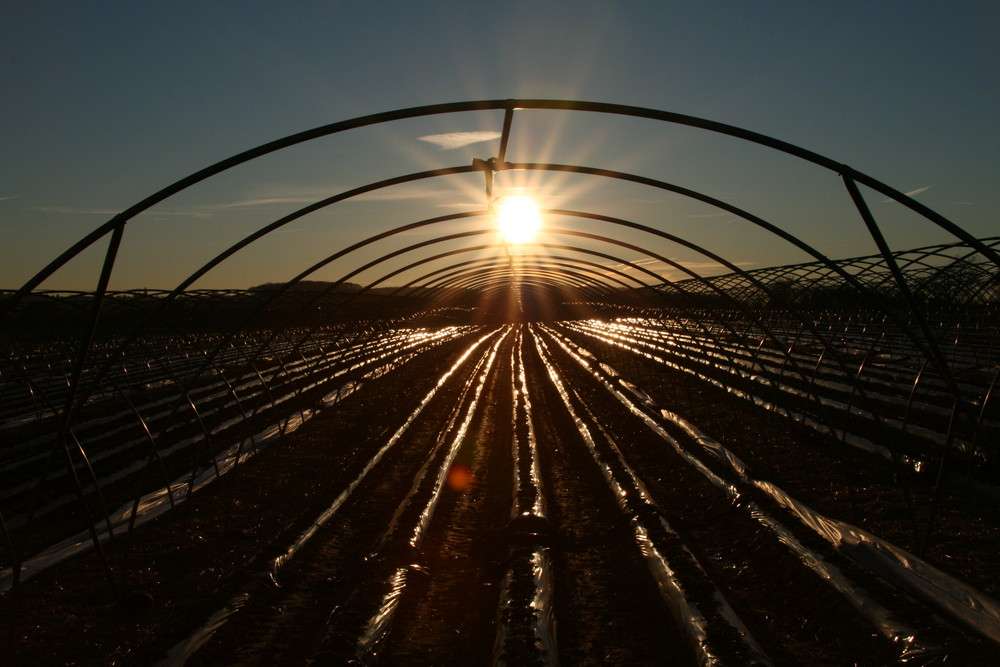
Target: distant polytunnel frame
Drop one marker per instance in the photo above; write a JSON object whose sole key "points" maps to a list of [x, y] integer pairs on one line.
{"points": [[563, 270]]}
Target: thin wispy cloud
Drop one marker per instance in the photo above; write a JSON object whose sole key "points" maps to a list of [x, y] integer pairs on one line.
{"points": [[649, 264], [719, 214], [720, 217], [9, 197], [441, 229], [715, 265], [402, 193], [75, 210], [206, 211], [399, 193], [266, 201], [453, 140], [911, 193], [639, 262], [464, 206], [181, 214]]}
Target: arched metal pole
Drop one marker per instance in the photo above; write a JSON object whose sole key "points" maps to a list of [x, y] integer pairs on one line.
{"points": [[509, 105]]}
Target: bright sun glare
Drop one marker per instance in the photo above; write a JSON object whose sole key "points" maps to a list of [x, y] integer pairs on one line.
{"points": [[518, 218]]}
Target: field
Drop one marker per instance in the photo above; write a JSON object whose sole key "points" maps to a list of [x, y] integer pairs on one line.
{"points": [[600, 491]]}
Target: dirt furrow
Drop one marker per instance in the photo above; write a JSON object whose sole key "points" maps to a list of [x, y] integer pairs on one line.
{"points": [[448, 615], [321, 594], [791, 610], [607, 606]]}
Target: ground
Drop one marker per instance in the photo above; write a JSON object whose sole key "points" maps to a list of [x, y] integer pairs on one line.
{"points": [[169, 576]]}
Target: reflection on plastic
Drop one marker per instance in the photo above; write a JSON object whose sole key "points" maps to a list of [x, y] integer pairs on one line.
{"points": [[636, 502], [948, 595]]}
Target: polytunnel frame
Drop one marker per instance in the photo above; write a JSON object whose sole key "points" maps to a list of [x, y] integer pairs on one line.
{"points": [[542, 261], [115, 227], [868, 271], [623, 262], [438, 172], [850, 177]]}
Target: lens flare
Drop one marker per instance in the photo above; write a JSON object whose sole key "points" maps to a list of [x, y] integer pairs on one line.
{"points": [[518, 218], [459, 478]]}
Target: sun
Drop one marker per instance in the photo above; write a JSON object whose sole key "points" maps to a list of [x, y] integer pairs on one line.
{"points": [[518, 218]]}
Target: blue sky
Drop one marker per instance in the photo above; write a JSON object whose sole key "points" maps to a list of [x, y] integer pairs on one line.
{"points": [[107, 102]]}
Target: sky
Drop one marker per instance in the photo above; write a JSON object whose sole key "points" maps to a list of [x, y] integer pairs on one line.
{"points": [[106, 102]]}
